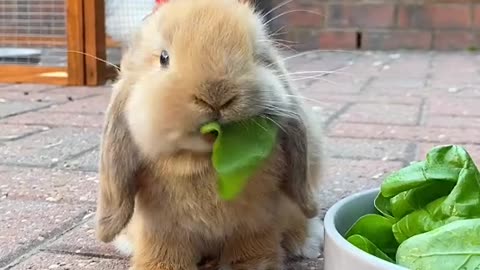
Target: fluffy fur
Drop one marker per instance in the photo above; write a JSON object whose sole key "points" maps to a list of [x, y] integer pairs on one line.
{"points": [[158, 196]]}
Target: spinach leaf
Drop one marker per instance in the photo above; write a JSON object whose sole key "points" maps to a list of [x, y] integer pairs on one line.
{"points": [[378, 230], [432, 208], [423, 220], [239, 151], [367, 246], [414, 199], [443, 163], [463, 202], [453, 246], [383, 206], [403, 179]]}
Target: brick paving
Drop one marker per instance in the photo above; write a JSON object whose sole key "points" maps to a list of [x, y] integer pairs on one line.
{"points": [[379, 111]]}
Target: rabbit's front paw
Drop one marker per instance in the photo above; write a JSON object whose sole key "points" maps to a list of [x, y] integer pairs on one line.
{"points": [[257, 251]]}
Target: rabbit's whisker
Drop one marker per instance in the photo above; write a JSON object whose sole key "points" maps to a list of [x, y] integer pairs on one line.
{"points": [[277, 32], [302, 97], [292, 11], [275, 122], [316, 72], [96, 58], [316, 77], [316, 51], [277, 7]]}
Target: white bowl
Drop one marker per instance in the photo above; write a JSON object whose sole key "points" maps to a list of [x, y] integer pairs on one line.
{"points": [[339, 254]]}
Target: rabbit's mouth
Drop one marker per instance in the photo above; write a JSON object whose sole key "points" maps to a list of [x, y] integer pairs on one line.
{"points": [[210, 137]]}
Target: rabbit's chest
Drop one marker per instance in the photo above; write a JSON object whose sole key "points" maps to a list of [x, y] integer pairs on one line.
{"points": [[193, 205]]}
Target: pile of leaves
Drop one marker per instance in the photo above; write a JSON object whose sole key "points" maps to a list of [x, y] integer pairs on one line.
{"points": [[428, 214]]}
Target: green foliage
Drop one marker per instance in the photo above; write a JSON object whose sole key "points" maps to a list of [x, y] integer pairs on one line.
{"points": [[432, 208]]}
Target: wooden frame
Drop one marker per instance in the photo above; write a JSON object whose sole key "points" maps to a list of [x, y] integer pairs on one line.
{"points": [[95, 42], [75, 42], [33, 74], [85, 43]]}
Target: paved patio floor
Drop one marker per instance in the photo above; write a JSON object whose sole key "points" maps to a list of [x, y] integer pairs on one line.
{"points": [[380, 111]]}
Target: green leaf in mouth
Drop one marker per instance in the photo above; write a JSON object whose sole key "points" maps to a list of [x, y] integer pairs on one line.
{"points": [[239, 150]]}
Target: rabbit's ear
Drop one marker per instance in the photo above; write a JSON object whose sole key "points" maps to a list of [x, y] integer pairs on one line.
{"points": [[119, 164], [303, 163]]}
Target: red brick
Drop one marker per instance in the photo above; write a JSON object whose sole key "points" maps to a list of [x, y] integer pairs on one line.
{"points": [[13, 132], [363, 16], [373, 99], [382, 114], [27, 88], [44, 185], [409, 133], [441, 16], [44, 94], [16, 107], [346, 176], [324, 110], [398, 82], [56, 119], [454, 106], [452, 121], [93, 105], [396, 40], [83, 240], [337, 83], [305, 17], [80, 91], [338, 40], [46, 260], [458, 40], [24, 223], [365, 149], [298, 264], [303, 38], [49, 147], [473, 150], [476, 16]]}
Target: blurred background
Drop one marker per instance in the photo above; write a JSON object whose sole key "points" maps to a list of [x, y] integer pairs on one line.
{"points": [[56, 41]]}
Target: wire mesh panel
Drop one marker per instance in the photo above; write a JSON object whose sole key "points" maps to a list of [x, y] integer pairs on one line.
{"points": [[33, 32], [123, 17]]}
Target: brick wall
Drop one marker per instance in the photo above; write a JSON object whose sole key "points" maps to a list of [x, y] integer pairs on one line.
{"points": [[327, 24], [380, 24]]}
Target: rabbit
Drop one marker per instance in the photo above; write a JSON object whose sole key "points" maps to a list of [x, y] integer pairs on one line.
{"points": [[192, 62]]}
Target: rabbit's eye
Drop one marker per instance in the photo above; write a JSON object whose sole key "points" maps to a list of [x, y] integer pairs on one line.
{"points": [[164, 59]]}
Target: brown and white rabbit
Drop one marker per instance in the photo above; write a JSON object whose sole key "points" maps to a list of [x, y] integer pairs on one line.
{"points": [[191, 62]]}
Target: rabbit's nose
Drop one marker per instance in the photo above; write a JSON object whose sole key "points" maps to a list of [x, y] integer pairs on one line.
{"points": [[215, 104]]}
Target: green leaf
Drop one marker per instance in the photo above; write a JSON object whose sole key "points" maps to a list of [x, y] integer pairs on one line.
{"points": [[420, 221], [427, 201], [383, 206], [463, 202], [403, 179], [417, 198], [367, 246], [443, 163], [239, 151], [453, 246], [378, 230]]}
